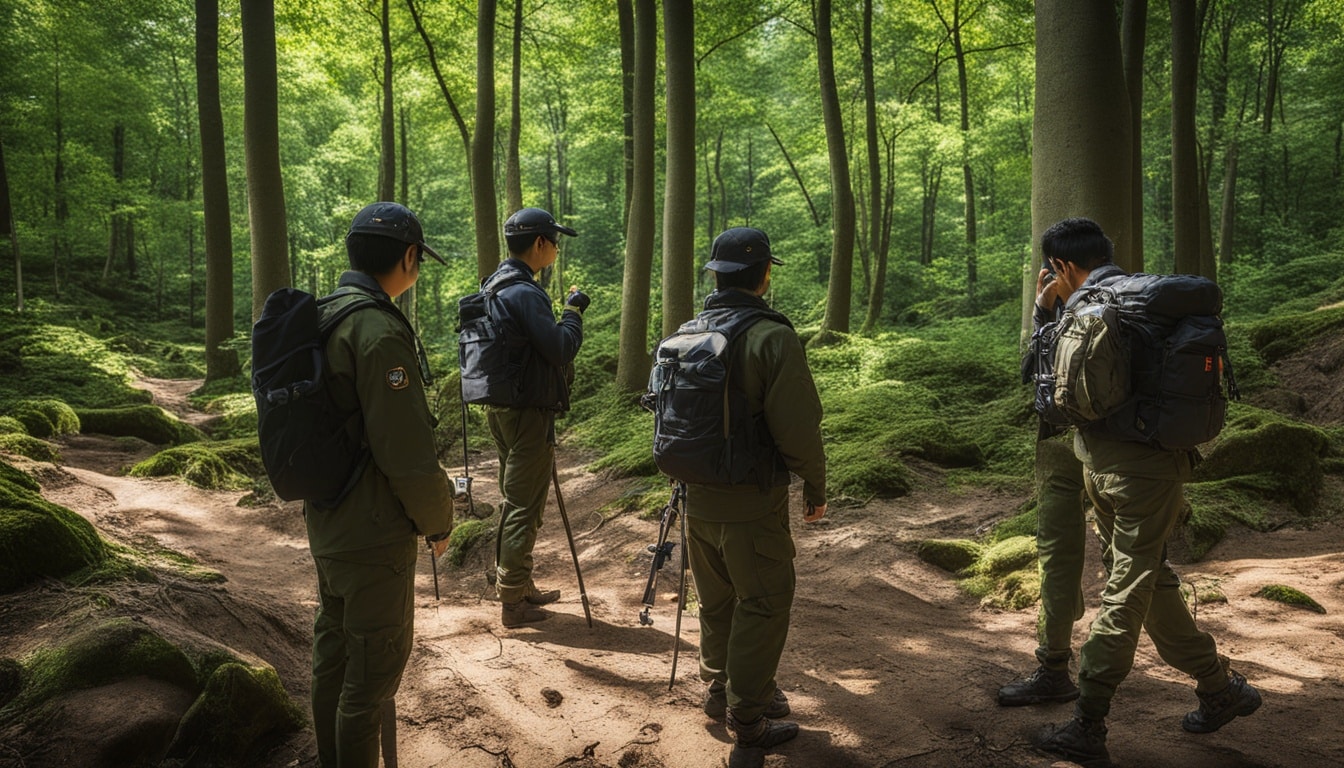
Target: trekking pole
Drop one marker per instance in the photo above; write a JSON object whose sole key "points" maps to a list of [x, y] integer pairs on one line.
{"points": [[389, 733], [681, 584], [661, 551], [569, 534], [434, 561]]}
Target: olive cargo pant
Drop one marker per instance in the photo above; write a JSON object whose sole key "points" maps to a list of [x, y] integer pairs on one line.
{"points": [[361, 641], [1137, 492], [1061, 541], [526, 453], [744, 578]]}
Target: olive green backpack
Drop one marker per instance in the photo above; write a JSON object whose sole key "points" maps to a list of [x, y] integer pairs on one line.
{"points": [[1091, 357]]}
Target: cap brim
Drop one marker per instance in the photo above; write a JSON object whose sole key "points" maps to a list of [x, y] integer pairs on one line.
{"points": [[734, 266], [433, 253], [562, 229]]}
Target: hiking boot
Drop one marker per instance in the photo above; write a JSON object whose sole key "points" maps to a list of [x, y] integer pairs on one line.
{"points": [[716, 703], [761, 733], [1079, 740], [537, 597], [1238, 699], [520, 613], [1044, 686]]}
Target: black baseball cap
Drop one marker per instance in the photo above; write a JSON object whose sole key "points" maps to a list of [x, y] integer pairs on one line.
{"points": [[738, 248], [534, 221], [392, 220]]}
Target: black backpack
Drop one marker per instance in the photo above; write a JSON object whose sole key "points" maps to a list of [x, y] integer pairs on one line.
{"points": [[703, 430], [496, 365], [311, 449]]}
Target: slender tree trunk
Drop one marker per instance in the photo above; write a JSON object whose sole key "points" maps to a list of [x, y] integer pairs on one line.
{"points": [[1208, 264], [679, 189], [750, 201], [220, 362], [58, 177], [261, 147], [458, 120], [483, 144], [632, 366], [883, 245], [513, 175], [1184, 151], [1081, 145], [1228, 217], [836, 318], [711, 225], [874, 155], [387, 149], [405, 197], [718, 179], [626, 21], [10, 231], [1133, 34], [793, 170], [967, 175], [118, 176]]}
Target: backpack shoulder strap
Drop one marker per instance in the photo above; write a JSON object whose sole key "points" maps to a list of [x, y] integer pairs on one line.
{"points": [[363, 300]]}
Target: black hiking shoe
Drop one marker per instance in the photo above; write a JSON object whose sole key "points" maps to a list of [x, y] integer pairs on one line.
{"points": [[1079, 740], [761, 733], [716, 703], [520, 613], [537, 597], [1044, 686], [1238, 699]]}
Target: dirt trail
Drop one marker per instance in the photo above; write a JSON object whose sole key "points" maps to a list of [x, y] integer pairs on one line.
{"points": [[887, 663]]}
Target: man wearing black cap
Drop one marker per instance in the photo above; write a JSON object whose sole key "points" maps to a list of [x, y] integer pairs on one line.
{"points": [[542, 351], [365, 547], [739, 544]]}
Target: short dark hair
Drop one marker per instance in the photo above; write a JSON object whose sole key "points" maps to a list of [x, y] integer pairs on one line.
{"points": [[374, 254], [747, 278], [1078, 240], [520, 243]]}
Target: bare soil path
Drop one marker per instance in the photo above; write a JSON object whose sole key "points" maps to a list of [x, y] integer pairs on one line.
{"points": [[887, 664]]}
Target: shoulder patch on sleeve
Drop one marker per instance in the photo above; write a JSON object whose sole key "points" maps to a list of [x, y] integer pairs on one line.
{"points": [[397, 378]]}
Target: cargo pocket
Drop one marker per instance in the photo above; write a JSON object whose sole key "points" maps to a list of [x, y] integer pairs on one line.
{"points": [[773, 563]]}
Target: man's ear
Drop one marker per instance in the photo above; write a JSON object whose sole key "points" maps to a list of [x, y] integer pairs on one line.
{"points": [[410, 257]]}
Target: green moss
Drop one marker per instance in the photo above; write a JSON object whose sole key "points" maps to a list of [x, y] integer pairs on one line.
{"points": [[1289, 596], [1014, 591], [239, 706], [226, 464], [99, 654], [464, 537], [30, 447], [122, 564], [38, 538], [237, 412], [952, 555], [46, 418], [1284, 457], [12, 426], [1019, 525], [45, 356], [1012, 554], [147, 422], [612, 422], [15, 476], [863, 471], [1278, 337]]}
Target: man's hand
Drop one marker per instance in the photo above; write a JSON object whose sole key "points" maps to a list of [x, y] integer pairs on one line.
{"points": [[577, 299], [438, 543], [1047, 289], [814, 512]]}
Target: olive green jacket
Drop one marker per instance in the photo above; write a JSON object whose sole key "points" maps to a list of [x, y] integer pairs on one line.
{"points": [[771, 367], [374, 370]]}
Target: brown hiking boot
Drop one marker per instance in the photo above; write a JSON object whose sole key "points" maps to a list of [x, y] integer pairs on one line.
{"points": [[520, 613], [1044, 686], [1238, 699], [716, 702], [537, 597], [1080, 740]]}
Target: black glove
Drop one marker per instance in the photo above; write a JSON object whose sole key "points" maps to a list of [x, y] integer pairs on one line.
{"points": [[578, 300]]}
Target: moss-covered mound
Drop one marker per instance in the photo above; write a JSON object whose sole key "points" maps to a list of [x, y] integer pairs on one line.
{"points": [[1278, 337], [465, 536], [237, 412], [147, 422], [29, 447], [1280, 593], [1005, 574], [612, 422], [12, 426], [45, 418], [99, 654], [15, 476], [38, 538], [226, 464], [952, 555], [239, 706], [1263, 453]]}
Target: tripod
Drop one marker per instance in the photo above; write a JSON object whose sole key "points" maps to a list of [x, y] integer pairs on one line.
{"points": [[673, 514]]}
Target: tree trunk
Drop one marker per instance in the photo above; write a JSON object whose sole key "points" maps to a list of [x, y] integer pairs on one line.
{"points": [[261, 147], [679, 189], [1227, 221], [513, 175], [1208, 264], [1080, 136], [483, 144], [58, 178], [632, 366], [387, 149], [874, 155], [8, 229], [1184, 150], [443, 84], [883, 246], [793, 170], [220, 362], [626, 22], [118, 175], [1133, 36], [836, 318], [405, 197], [967, 175]]}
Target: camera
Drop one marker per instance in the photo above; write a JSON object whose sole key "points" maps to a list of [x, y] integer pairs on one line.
{"points": [[461, 488]]}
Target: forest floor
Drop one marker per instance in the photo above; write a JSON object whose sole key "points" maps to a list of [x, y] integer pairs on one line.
{"points": [[887, 663]]}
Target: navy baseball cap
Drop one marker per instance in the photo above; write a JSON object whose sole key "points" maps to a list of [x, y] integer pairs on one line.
{"points": [[534, 221], [392, 220], [738, 248]]}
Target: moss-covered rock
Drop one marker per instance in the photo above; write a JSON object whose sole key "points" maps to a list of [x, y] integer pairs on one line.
{"points": [[147, 422], [226, 464], [1014, 591], [99, 654], [952, 555], [38, 538], [12, 426], [29, 447], [612, 422], [15, 476], [464, 537], [46, 418], [1280, 593], [1011, 554], [1277, 337], [863, 471], [238, 708], [1268, 452]]}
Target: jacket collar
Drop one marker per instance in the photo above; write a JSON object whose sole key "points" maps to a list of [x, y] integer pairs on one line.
{"points": [[731, 298], [365, 282], [1104, 272]]}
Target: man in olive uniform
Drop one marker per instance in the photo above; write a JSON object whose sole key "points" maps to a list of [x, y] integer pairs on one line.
{"points": [[365, 547], [1061, 532], [543, 351], [1137, 491], [738, 541]]}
